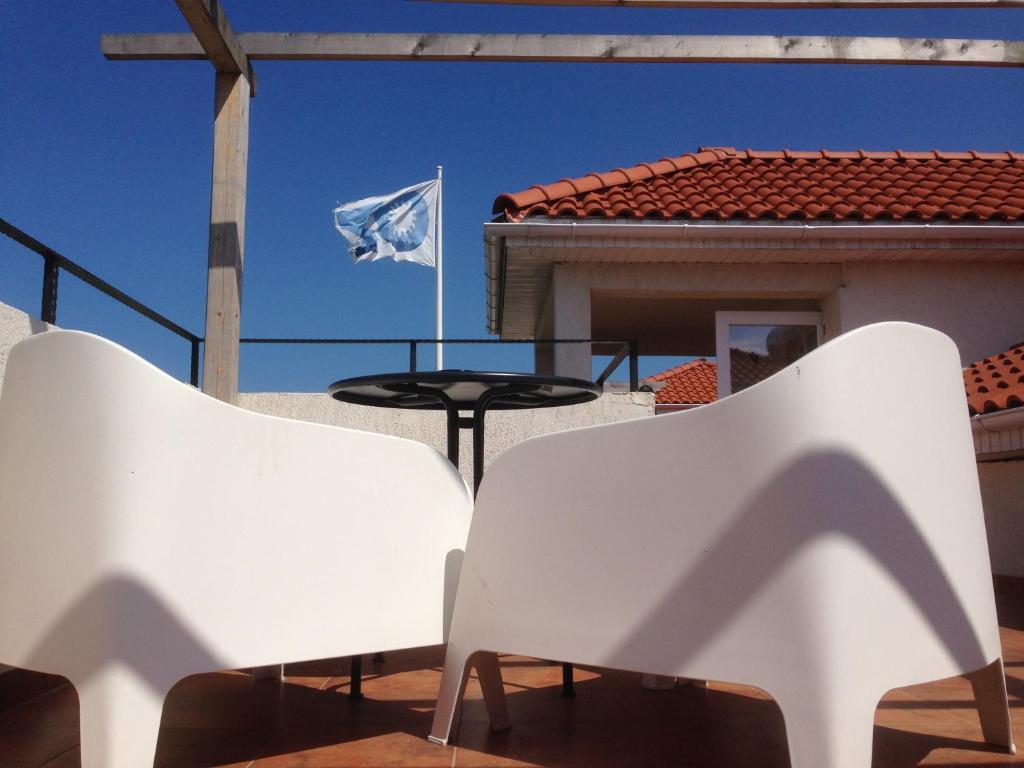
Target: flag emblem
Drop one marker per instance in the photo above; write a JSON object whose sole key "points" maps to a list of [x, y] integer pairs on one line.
{"points": [[398, 226]]}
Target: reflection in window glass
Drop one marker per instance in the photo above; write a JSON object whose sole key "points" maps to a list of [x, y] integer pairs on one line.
{"points": [[758, 351]]}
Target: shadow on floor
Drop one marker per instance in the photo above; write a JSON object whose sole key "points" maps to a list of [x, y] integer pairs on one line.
{"points": [[229, 719]]}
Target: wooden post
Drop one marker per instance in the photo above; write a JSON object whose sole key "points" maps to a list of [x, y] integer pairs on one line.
{"points": [[227, 236]]}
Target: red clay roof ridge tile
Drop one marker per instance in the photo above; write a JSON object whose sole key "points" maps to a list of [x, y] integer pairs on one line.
{"points": [[727, 183], [541, 193]]}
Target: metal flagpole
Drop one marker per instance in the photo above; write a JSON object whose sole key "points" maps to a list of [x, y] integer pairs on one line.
{"points": [[439, 264]]}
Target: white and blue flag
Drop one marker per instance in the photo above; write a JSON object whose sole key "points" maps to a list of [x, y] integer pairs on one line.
{"points": [[400, 226]]}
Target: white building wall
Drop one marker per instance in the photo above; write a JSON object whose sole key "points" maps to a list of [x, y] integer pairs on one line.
{"points": [[573, 284], [570, 297], [979, 305], [1002, 493]]}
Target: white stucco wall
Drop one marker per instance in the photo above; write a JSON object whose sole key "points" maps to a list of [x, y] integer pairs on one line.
{"points": [[978, 305], [1002, 492], [504, 428], [15, 325]]}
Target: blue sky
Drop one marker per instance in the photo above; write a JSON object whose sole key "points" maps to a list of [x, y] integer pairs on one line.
{"points": [[109, 162]]}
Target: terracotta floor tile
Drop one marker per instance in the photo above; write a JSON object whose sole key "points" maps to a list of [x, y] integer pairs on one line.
{"points": [[308, 720], [401, 750], [70, 759], [39, 730]]}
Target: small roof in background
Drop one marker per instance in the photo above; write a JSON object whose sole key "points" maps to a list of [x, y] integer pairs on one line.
{"points": [[725, 183], [993, 384], [996, 383], [693, 382], [696, 382]]}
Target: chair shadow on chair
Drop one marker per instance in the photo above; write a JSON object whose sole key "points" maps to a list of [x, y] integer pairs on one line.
{"points": [[147, 532], [121, 694], [122, 700], [900, 549], [828, 692]]}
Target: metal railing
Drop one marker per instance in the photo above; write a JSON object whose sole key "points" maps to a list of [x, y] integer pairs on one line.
{"points": [[54, 262], [625, 349]]}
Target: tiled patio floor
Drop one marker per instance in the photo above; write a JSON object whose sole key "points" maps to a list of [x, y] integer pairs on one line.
{"points": [[229, 719]]}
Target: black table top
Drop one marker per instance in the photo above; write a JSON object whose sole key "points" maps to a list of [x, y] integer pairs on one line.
{"points": [[421, 390]]}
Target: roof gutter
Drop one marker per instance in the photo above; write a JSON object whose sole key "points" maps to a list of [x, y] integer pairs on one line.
{"points": [[789, 230], [1008, 424], [998, 421], [797, 232]]}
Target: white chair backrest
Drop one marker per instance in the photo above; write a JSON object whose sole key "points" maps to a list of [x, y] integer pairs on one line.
{"points": [[147, 524], [825, 522]]}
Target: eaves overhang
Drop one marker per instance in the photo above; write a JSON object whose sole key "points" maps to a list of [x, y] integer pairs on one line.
{"points": [[999, 435], [520, 255]]}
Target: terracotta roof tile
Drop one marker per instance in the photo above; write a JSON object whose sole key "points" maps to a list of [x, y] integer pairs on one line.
{"points": [[993, 384], [996, 383], [693, 382], [696, 382], [725, 183]]}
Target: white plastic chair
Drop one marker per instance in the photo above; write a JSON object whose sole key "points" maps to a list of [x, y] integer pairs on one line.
{"points": [[149, 532], [819, 535]]}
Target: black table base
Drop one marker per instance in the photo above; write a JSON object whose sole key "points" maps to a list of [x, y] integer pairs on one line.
{"points": [[455, 391]]}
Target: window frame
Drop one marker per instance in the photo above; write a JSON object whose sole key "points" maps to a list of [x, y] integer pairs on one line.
{"points": [[724, 319]]}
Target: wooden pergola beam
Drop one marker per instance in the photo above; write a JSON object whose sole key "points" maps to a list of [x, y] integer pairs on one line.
{"points": [[676, 49], [804, 4], [213, 31]]}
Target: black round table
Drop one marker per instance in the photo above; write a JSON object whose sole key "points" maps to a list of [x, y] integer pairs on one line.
{"points": [[454, 391]]}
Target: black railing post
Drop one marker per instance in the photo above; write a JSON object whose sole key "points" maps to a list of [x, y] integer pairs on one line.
{"points": [[193, 375], [51, 273], [412, 357], [634, 367]]}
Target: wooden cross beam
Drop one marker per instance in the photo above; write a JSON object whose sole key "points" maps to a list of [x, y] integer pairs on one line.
{"points": [[213, 31], [761, 49], [804, 4]]}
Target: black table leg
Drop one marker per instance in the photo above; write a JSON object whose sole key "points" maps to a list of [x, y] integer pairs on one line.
{"points": [[478, 443], [378, 658], [453, 430], [479, 434], [355, 689], [568, 689]]}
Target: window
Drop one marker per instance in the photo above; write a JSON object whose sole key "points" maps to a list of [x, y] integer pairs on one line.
{"points": [[751, 346]]}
